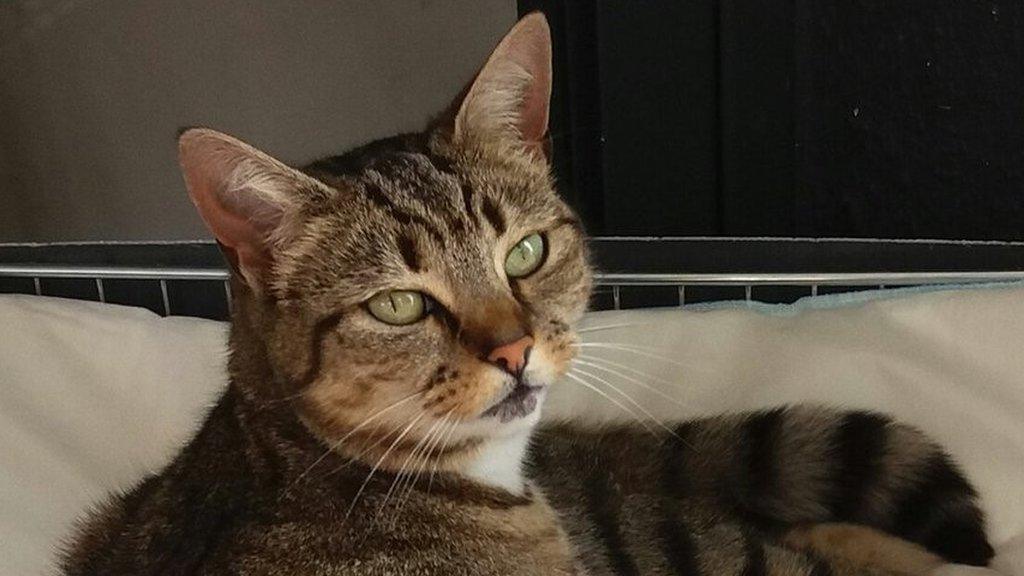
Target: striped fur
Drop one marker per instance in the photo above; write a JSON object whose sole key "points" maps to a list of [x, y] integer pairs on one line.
{"points": [[725, 488], [344, 445]]}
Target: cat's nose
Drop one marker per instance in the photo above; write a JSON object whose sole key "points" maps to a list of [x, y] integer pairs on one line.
{"points": [[512, 357]]}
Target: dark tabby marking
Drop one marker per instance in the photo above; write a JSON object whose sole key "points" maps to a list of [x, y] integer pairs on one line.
{"points": [[760, 435], [753, 548], [403, 217], [321, 330], [860, 444], [407, 247], [940, 512], [493, 215], [467, 202], [602, 510], [354, 440], [819, 567], [677, 544], [706, 459]]}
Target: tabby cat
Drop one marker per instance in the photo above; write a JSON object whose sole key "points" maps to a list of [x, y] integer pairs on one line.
{"points": [[399, 314]]}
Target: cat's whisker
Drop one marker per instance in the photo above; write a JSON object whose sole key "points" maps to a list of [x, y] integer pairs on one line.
{"points": [[376, 466], [628, 378], [610, 327], [629, 399], [650, 349], [639, 351], [420, 453], [436, 444], [444, 446], [603, 394], [366, 450], [337, 444], [424, 457], [630, 369], [689, 403], [400, 475]]}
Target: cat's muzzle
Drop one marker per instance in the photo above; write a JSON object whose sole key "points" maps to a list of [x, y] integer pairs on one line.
{"points": [[520, 401]]}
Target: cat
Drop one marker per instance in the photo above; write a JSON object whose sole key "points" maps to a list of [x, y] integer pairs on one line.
{"points": [[399, 313]]}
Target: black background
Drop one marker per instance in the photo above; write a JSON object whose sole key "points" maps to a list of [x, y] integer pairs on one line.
{"points": [[819, 118]]}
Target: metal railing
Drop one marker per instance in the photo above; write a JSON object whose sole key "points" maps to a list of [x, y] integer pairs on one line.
{"points": [[615, 281]]}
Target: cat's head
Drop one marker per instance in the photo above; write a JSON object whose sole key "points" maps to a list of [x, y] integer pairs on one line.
{"points": [[418, 286]]}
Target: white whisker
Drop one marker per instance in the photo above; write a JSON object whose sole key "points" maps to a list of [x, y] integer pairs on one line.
{"points": [[630, 400], [399, 476], [421, 452], [444, 446], [387, 452], [424, 456], [629, 369], [610, 327], [640, 351], [625, 408], [334, 446], [632, 379]]}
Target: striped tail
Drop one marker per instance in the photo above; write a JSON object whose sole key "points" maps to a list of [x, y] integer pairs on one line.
{"points": [[807, 464], [775, 470]]}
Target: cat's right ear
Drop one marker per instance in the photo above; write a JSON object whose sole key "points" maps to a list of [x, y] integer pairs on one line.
{"points": [[249, 201], [510, 97]]}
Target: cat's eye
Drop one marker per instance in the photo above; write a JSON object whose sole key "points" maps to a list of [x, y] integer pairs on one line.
{"points": [[398, 307], [525, 257]]}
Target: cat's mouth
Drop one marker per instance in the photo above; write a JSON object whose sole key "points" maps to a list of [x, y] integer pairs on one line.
{"points": [[521, 401]]}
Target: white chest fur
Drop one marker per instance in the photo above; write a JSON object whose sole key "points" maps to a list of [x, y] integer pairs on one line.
{"points": [[499, 463]]}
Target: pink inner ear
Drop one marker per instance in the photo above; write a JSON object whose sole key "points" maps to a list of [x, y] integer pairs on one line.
{"points": [[526, 48], [529, 45], [237, 232], [239, 226]]}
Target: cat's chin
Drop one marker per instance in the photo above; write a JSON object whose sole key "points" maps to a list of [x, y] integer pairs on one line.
{"points": [[523, 400]]}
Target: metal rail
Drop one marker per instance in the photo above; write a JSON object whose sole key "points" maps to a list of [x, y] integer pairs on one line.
{"points": [[809, 279], [604, 279]]}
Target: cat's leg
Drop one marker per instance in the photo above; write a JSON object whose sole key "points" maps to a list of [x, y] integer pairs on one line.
{"points": [[840, 550], [860, 545], [726, 549]]}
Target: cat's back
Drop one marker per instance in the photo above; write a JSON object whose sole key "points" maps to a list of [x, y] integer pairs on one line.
{"points": [[174, 520]]}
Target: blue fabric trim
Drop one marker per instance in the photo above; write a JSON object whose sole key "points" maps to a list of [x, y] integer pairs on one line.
{"points": [[843, 300]]}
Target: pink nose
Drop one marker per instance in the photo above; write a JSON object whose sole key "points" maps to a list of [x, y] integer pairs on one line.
{"points": [[512, 357]]}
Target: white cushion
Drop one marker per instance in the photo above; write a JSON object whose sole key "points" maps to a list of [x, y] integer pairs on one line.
{"points": [[93, 395]]}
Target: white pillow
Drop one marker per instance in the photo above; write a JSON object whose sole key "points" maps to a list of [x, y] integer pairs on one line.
{"points": [[93, 395]]}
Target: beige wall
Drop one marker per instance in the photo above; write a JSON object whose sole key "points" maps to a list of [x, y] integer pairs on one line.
{"points": [[92, 92]]}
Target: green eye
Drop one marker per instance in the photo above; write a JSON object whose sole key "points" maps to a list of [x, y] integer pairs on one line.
{"points": [[398, 307], [525, 257]]}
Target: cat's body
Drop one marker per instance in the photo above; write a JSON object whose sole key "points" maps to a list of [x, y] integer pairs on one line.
{"points": [[398, 315], [250, 495]]}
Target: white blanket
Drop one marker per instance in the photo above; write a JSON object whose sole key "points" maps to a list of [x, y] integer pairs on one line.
{"points": [[93, 395]]}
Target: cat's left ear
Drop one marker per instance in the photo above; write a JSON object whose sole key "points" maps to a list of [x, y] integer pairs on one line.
{"points": [[251, 202], [509, 99]]}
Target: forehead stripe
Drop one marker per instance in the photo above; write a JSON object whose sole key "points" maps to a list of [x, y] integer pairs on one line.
{"points": [[381, 200], [493, 215], [444, 166], [467, 200], [407, 247]]}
